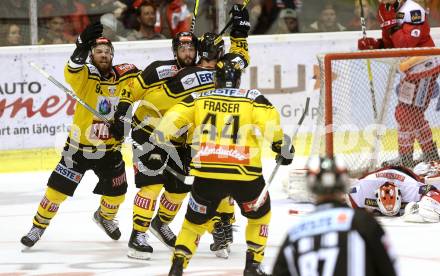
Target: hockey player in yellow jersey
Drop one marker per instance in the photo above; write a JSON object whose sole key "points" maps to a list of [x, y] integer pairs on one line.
{"points": [[155, 100], [89, 145], [225, 160]]}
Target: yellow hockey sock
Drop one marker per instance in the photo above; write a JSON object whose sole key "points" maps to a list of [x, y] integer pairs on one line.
{"points": [[169, 205], [144, 206], [188, 240], [48, 207], [256, 236], [110, 205]]}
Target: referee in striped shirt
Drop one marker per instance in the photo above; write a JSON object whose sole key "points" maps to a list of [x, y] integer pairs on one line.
{"points": [[334, 240]]}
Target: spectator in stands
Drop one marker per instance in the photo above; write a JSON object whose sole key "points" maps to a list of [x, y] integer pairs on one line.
{"points": [[270, 10], [434, 13], [12, 35], [96, 8], [16, 12], [147, 17], [370, 18], [286, 23], [52, 32], [74, 13], [112, 27], [327, 21]]}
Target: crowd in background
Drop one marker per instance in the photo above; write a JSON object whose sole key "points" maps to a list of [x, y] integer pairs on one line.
{"points": [[61, 21]]}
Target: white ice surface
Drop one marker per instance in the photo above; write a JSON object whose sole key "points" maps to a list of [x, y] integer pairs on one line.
{"points": [[74, 245]]}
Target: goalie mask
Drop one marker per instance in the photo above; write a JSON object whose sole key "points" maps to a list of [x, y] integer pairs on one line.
{"points": [[389, 199], [326, 176]]}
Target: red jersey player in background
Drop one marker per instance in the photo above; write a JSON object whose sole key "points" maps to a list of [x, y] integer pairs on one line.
{"points": [[404, 25]]}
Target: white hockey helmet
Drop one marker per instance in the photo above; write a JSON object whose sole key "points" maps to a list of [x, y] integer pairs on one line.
{"points": [[389, 199]]}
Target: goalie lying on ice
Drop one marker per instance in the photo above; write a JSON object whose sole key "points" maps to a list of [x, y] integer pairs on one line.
{"points": [[389, 190]]}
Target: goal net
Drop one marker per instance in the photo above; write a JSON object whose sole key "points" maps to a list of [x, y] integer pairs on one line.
{"points": [[375, 107], [379, 106]]}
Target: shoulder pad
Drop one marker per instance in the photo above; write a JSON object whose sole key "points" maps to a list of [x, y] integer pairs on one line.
{"points": [[92, 69], [125, 68], [411, 13]]}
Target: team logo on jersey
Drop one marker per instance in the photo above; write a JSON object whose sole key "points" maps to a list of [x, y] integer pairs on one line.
{"points": [[416, 16], [104, 107], [223, 154], [371, 202], [68, 173], [112, 90]]}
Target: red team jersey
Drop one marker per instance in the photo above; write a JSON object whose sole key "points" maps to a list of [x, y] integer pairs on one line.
{"points": [[362, 192]]}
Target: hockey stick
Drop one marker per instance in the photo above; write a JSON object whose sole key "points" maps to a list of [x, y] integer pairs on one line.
{"points": [[245, 2], [262, 195], [80, 101], [193, 21], [370, 73]]}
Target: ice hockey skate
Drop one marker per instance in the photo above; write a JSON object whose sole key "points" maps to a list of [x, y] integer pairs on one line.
{"points": [[110, 227], [138, 247], [163, 232], [219, 247], [32, 237]]}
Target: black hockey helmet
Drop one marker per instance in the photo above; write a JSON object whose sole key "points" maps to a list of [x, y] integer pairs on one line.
{"points": [[211, 46], [183, 38], [227, 74], [326, 176], [103, 40]]}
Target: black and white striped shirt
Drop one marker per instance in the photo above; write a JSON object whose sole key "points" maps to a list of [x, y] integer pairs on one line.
{"points": [[336, 241]]}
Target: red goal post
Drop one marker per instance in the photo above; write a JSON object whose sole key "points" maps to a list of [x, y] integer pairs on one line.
{"points": [[359, 95]]}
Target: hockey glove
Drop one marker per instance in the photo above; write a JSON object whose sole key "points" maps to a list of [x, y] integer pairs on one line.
{"points": [[369, 43], [284, 150], [119, 129], [89, 35], [240, 21], [83, 42]]}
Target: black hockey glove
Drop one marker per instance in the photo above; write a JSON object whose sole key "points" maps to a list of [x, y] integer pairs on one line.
{"points": [[84, 41], [89, 35], [240, 21], [119, 128], [284, 150]]}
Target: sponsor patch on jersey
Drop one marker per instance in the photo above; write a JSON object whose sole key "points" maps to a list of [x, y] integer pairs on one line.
{"points": [[166, 71], [196, 79], [197, 207], [99, 131], [415, 15], [400, 15], [223, 154], [119, 180], [232, 92], [371, 202], [253, 94], [68, 173], [121, 69]]}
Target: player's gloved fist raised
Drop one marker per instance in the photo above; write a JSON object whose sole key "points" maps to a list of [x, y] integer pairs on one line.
{"points": [[240, 21], [369, 43], [90, 34]]}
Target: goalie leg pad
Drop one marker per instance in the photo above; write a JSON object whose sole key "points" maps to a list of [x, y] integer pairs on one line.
{"points": [[429, 207]]}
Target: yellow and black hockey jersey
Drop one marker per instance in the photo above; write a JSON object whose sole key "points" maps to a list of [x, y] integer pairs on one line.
{"points": [[101, 94], [159, 87], [222, 131]]}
